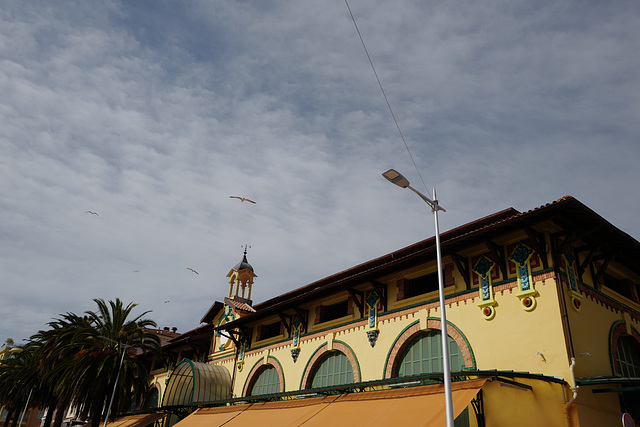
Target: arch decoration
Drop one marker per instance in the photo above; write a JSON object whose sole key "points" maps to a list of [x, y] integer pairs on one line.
{"points": [[255, 372], [412, 331], [619, 329], [319, 355], [152, 398]]}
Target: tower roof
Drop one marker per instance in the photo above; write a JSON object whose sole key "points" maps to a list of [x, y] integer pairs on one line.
{"points": [[243, 264]]}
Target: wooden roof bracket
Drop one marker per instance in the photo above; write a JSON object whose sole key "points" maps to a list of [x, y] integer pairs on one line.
{"points": [[358, 298], [569, 237], [588, 260], [237, 335], [462, 264], [303, 315], [381, 289], [539, 245], [498, 257], [286, 320], [246, 334], [605, 264]]}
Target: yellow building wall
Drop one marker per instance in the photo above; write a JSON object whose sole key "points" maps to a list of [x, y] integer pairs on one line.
{"points": [[541, 406], [519, 340], [514, 340]]}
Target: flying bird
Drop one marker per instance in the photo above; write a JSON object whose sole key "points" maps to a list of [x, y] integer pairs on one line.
{"points": [[135, 271], [191, 269], [166, 302], [242, 199], [92, 213]]}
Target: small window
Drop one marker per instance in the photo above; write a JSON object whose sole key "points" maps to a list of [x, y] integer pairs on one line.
{"points": [[269, 331], [333, 311], [421, 285], [266, 383], [621, 286]]}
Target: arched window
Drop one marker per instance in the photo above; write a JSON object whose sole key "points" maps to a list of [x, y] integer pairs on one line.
{"points": [[267, 382], [628, 356], [153, 397], [334, 369], [424, 355]]}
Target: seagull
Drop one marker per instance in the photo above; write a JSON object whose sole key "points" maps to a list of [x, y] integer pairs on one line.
{"points": [[92, 213], [191, 269], [242, 199]]}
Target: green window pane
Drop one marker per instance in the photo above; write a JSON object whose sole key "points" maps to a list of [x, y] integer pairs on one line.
{"points": [[267, 382], [628, 355], [334, 369], [424, 355]]}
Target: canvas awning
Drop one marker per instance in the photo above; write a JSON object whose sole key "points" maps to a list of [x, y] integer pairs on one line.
{"points": [[420, 406], [138, 420]]}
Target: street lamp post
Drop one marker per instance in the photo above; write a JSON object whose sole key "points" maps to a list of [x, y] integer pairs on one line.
{"points": [[125, 347], [25, 408], [399, 180]]}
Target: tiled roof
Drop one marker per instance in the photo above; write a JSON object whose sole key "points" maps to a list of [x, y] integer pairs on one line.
{"points": [[567, 211], [239, 305]]}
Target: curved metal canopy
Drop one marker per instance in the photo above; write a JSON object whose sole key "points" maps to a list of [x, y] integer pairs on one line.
{"points": [[195, 382]]}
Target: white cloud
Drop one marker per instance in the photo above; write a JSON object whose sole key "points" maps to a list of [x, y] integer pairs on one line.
{"points": [[152, 114]]}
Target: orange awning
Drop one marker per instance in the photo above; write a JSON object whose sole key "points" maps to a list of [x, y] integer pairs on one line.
{"points": [[281, 413], [138, 420], [420, 406], [209, 417], [415, 406]]}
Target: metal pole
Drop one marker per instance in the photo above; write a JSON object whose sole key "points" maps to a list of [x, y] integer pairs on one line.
{"points": [[398, 179], [115, 386], [446, 369], [25, 408]]}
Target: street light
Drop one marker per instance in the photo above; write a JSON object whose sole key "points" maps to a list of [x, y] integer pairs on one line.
{"points": [[126, 346], [396, 178]]}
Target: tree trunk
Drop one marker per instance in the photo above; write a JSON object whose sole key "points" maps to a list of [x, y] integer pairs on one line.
{"points": [[98, 410], [96, 418], [47, 420], [60, 410], [16, 416]]}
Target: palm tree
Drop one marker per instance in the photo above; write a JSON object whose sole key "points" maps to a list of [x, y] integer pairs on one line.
{"points": [[56, 349], [79, 357], [113, 348], [19, 380]]}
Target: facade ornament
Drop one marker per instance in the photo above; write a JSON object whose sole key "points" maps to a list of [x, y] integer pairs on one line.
{"points": [[295, 351], [521, 257], [570, 266], [483, 269], [372, 318]]}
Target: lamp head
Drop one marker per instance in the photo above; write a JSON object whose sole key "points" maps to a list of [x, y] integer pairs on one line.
{"points": [[396, 178]]}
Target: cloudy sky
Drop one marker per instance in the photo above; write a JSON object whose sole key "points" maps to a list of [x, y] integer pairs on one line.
{"points": [[153, 113]]}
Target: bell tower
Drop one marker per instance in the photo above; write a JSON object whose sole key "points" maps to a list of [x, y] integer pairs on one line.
{"points": [[240, 281]]}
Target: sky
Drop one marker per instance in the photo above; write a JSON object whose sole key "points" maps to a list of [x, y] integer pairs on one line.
{"points": [[152, 113]]}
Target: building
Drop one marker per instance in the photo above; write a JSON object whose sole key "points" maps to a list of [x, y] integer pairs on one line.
{"points": [[543, 317]]}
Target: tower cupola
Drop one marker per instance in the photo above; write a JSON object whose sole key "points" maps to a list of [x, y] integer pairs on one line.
{"points": [[240, 280]]}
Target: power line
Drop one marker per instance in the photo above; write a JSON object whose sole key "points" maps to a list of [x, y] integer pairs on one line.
{"points": [[385, 96]]}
